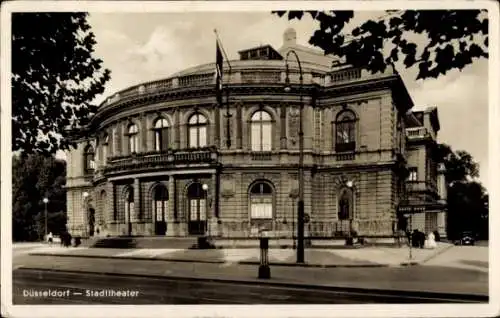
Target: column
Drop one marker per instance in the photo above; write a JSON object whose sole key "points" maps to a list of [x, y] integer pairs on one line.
{"points": [[177, 126], [239, 128], [144, 132], [283, 126], [136, 217], [217, 127], [171, 199], [213, 197]]}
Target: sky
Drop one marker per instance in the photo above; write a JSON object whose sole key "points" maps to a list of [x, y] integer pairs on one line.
{"points": [[140, 47]]}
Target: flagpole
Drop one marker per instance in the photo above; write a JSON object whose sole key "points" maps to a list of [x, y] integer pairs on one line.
{"points": [[228, 114]]}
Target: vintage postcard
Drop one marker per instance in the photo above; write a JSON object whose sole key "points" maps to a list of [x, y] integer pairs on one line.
{"points": [[249, 158]]}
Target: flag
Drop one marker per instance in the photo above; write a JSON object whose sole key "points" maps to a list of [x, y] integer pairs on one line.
{"points": [[219, 60]]}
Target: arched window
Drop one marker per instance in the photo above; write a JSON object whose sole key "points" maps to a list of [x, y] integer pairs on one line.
{"points": [[345, 205], [105, 144], [133, 138], [261, 201], [89, 163], [345, 131], [197, 131], [160, 203], [261, 133], [161, 134], [129, 205]]}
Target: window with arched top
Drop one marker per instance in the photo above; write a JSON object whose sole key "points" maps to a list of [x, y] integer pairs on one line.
{"points": [[161, 130], [197, 131], [261, 131], [133, 138], [261, 201], [88, 160], [345, 205], [104, 147], [345, 126]]}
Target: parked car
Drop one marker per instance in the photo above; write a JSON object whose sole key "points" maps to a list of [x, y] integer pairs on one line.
{"points": [[467, 238]]}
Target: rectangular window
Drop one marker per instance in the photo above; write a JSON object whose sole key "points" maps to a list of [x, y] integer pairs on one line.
{"points": [[256, 137], [157, 141], [104, 153], [193, 211], [164, 139], [159, 211], [203, 210], [266, 137], [261, 208], [202, 142], [413, 174], [193, 137]]}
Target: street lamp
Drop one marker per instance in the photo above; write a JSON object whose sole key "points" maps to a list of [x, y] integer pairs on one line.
{"points": [[45, 201], [205, 191], [300, 206], [85, 195]]}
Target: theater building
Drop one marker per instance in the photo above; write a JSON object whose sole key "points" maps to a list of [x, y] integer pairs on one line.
{"points": [[163, 158]]}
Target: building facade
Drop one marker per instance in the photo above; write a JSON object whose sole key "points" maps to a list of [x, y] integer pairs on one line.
{"points": [[163, 158]]}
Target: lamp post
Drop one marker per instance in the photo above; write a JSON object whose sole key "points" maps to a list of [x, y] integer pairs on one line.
{"points": [[85, 195], [300, 205], [205, 192], [45, 201]]}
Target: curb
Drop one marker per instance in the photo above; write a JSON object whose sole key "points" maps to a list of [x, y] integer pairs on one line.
{"points": [[206, 261], [246, 281], [438, 253]]}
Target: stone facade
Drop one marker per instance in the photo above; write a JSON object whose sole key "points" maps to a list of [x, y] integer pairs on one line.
{"points": [[209, 187]]}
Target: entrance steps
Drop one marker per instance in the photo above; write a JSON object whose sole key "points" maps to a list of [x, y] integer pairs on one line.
{"points": [[146, 242]]}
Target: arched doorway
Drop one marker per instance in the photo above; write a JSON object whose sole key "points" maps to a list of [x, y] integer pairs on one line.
{"points": [[197, 209], [160, 208]]}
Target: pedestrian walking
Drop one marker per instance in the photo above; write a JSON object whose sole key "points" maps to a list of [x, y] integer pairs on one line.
{"points": [[50, 238]]}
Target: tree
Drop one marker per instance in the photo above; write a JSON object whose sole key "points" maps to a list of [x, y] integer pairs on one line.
{"points": [[54, 79], [33, 178], [451, 39], [467, 199]]}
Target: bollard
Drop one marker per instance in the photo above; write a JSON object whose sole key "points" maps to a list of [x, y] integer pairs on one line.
{"points": [[264, 270]]}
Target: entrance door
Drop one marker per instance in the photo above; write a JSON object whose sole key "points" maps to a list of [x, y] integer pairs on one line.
{"points": [[160, 208], [197, 222]]}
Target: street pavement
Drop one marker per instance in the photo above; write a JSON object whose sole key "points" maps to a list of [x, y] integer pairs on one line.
{"points": [[77, 288], [436, 275]]}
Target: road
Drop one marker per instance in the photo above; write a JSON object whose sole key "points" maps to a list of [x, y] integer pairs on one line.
{"points": [[182, 291]]}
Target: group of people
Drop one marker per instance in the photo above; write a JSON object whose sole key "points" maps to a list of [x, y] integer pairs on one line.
{"points": [[418, 239], [66, 239]]}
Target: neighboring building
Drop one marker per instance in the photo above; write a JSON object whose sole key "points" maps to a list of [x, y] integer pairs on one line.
{"points": [[161, 158]]}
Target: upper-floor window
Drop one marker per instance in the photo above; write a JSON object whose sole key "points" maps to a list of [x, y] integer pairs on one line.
{"points": [[105, 144], [345, 126], [161, 134], [413, 174], [133, 138], [197, 131], [89, 163], [261, 134]]}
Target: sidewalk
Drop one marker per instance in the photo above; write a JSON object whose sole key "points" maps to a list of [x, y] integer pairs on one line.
{"points": [[361, 257], [436, 279]]}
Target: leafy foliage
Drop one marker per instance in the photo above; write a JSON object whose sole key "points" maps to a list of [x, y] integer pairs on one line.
{"points": [[451, 39], [54, 79], [33, 178], [467, 199]]}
